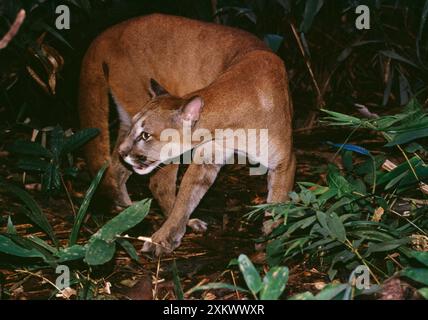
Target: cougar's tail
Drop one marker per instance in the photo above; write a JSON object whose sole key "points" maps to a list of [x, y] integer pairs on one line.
{"points": [[94, 110]]}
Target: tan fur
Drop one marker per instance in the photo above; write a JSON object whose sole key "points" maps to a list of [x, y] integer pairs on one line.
{"points": [[242, 83]]}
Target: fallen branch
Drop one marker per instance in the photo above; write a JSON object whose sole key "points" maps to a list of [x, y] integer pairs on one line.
{"points": [[13, 29]]}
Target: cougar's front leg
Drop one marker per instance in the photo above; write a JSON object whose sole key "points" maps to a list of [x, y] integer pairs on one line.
{"points": [[196, 182], [120, 174], [163, 187]]}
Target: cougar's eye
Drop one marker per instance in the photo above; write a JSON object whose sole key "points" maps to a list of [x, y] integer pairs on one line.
{"points": [[144, 136]]}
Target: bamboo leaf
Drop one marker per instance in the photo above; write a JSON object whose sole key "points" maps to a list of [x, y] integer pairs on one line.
{"points": [[79, 139], [274, 283], [85, 205], [251, 276], [34, 213]]}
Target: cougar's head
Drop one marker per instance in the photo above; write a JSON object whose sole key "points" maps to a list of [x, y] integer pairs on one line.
{"points": [[158, 127]]}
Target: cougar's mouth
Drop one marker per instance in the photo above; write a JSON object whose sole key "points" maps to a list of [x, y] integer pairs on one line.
{"points": [[145, 168]]}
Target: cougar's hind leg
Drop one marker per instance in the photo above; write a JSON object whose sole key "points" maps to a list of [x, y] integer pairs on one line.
{"points": [[128, 94], [280, 183]]}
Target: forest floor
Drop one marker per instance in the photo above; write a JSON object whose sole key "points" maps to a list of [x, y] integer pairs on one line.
{"points": [[200, 259]]}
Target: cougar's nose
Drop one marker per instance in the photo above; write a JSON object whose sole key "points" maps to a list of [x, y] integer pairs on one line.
{"points": [[141, 158]]}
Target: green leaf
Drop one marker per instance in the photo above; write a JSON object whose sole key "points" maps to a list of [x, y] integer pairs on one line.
{"points": [[72, 253], [42, 243], [55, 34], [417, 274], [424, 293], [424, 18], [44, 249], [216, 286], [33, 164], [296, 244], [10, 227], [85, 205], [274, 251], [303, 296], [387, 245], [124, 221], [336, 227], [341, 119], [331, 291], [311, 10], [79, 139], [29, 148], [421, 256], [10, 247], [274, 283], [57, 141], [34, 212], [99, 252], [129, 248], [396, 180], [408, 136], [415, 161], [251, 276], [177, 285], [274, 41], [394, 55], [102, 245], [51, 179]]}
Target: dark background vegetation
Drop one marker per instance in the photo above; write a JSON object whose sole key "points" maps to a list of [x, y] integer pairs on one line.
{"points": [[381, 67]]}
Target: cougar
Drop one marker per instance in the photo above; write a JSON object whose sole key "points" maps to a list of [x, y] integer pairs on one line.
{"points": [[176, 75]]}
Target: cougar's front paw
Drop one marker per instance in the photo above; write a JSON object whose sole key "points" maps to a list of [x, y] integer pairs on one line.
{"points": [[197, 225], [165, 240]]}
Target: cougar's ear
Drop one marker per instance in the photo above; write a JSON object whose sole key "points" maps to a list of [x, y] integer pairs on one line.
{"points": [[155, 89], [191, 111]]}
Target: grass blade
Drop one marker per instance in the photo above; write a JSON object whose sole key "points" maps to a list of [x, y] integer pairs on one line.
{"points": [[177, 285], [34, 213], [85, 204]]}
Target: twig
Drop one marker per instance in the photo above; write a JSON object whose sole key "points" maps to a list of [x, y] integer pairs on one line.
{"points": [[234, 283], [390, 256], [68, 196], [13, 29], [308, 64], [155, 290], [409, 221], [140, 238], [43, 278], [355, 251], [320, 99]]}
